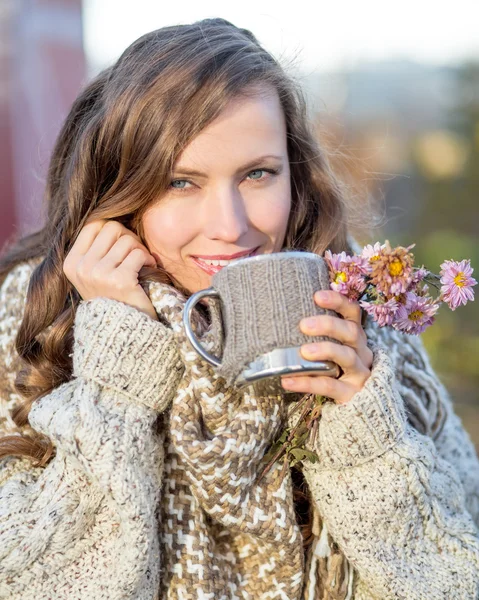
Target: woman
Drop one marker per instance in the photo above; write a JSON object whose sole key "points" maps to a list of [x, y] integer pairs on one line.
{"points": [[129, 469]]}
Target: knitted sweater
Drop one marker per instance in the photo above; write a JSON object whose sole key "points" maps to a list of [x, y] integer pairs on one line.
{"points": [[397, 484]]}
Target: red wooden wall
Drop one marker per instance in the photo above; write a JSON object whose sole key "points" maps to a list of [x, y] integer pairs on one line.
{"points": [[42, 68]]}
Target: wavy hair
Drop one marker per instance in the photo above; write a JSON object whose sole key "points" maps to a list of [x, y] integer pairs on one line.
{"points": [[114, 156]]}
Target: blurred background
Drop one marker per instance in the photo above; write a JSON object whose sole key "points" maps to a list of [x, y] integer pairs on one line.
{"points": [[393, 92]]}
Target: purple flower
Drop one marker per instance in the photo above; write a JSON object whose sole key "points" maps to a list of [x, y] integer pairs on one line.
{"points": [[353, 287], [347, 273], [417, 277], [457, 282], [416, 314], [359, 265], [372, 253], [383, 313], [392, 269]]}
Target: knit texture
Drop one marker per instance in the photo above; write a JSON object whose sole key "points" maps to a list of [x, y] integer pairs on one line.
{"points": [[224, 535], [151, 493], [261, 307]]}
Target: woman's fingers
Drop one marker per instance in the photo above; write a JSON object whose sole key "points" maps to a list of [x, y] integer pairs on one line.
{"points": [[347, 332], [350, 352], [134, 261], [348, 309], [104, 240], [344, 356], [105, 261], [120, 250], [322, 385]]}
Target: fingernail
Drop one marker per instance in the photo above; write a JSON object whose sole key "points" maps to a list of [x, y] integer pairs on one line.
{"points": [[322, 296], [287, 381]]}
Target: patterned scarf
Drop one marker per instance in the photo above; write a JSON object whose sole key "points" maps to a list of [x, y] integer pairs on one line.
{"points": [[223, 534]]}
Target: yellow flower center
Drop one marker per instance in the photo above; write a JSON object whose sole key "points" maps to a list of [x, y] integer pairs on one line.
{"points": [[340, 276], [396, 268], [373, 258], [415, 315], [460, 279]]}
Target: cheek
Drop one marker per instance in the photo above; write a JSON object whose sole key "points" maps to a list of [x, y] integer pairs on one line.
{"points": [[270, 212], [167, 231]]}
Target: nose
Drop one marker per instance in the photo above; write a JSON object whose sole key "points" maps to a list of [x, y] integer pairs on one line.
{"points": [[225, 217]]}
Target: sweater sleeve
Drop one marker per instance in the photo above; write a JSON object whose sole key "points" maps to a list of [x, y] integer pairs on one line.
{"points": [[430, 404], [394, 505], [85, 526]]}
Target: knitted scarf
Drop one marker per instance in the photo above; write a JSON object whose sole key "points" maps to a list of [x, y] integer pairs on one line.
{"points": [[224, 534]]}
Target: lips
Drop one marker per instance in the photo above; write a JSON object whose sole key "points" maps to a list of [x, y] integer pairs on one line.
{"points": [[212, 269], [231, 257]]}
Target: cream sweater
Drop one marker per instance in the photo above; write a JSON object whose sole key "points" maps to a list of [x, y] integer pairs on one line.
{"points": [[402, 502]]}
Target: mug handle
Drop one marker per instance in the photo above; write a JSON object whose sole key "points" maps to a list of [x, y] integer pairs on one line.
{"points": [[190, 304]]}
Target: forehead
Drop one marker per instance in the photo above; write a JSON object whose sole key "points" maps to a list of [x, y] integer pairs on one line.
{"points": [[247, 127]]}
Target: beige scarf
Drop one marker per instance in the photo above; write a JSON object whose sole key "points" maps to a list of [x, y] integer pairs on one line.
{"points": [[225, 535]]}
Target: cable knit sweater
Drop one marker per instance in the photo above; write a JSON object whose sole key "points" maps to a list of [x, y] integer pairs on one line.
{"points": [[397, 484]]}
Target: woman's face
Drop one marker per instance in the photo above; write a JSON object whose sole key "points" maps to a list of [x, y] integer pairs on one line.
{"points": [[231, 202]]}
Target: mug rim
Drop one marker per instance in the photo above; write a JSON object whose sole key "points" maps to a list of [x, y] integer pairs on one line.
{"points": [[273, 256]]}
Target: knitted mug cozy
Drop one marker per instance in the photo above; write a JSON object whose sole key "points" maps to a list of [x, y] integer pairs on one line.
{"points": [[263, 299]]}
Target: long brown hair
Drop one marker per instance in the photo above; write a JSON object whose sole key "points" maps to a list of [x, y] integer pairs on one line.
{"points": [[114, 156]]}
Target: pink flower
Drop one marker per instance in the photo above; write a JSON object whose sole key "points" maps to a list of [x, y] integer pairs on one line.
{"points": [[372, 252], [334, 261], [383, 313], [422, 291], [417, 277], [353, 287], [346, 273], [416, 314], [359, 265], [457, 282], [392, 269]]}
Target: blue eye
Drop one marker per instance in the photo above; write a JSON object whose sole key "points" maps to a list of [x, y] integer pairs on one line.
{"points": [[269, 173], [184, 188], [257, 171], [178, 181]]}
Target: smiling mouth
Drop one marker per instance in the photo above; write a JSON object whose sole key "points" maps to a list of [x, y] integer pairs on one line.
{"points": [[213, 266]]}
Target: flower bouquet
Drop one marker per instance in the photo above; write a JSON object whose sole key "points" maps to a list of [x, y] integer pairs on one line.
{"points": [[394, 293]]}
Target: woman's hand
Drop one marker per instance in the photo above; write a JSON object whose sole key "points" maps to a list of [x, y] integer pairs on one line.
{"points": [[354, 357], [105, 261]]}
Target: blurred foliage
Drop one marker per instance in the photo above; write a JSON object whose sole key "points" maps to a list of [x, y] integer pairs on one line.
{"points": [[447, 228], [428, 183]]}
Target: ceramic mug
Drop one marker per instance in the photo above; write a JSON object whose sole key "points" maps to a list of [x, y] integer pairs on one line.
{"points": [[262, 300]]}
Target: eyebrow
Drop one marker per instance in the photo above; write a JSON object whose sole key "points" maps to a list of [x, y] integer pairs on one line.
{"points": [[253, 163]]}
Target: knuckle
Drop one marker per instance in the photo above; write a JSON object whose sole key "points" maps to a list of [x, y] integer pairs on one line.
{"points": [[112, 225], [353, 331], [129, 240], [138, 251], [97, 274], [81, 270], [327, 325], [327, 383], [66, 267], [93, 221], [330, 347], [94, 225], [119, 281], [351, 355], [125, 242]]}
